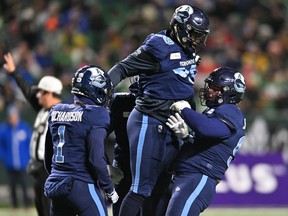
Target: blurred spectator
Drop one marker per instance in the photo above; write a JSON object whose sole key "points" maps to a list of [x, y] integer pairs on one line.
{"points": [[68, 34], [15, 135]]}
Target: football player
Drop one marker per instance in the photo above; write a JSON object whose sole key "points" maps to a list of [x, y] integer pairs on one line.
{"points": [[76, 161], [166, 64], [121, 106], [216, 136]]}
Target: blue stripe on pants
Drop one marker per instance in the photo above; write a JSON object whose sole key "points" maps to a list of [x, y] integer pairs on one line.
{"points": [[139, 152], [193, 196], [96, 199]]}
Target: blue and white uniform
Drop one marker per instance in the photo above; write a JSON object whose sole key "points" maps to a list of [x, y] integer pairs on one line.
{"points": [[166, 74], [219, 133], [76, 161]]}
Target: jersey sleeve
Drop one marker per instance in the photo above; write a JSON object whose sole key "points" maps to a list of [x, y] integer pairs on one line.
{"points": [[205, 126], [28, 90], [97, 160], [136, 63]]}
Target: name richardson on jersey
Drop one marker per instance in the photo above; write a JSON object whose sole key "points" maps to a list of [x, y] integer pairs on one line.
{"points": [[66, 116]]}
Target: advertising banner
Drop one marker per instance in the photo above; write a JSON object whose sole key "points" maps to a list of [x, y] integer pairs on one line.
{"points": [[254, 181], [259, 174]]}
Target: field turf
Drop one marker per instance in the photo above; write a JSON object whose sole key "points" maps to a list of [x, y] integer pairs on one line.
{"points": [[208, 212]]}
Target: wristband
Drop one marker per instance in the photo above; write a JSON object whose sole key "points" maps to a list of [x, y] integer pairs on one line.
{"points": [[189, 138]]}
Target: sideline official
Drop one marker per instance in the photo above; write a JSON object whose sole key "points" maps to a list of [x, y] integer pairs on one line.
{"points": [[41, 98]]}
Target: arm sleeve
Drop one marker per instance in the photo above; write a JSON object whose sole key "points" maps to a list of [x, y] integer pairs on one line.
{"points": [[48, 152], [136, 63], [28, 91], [207, 127], [97, 160]]}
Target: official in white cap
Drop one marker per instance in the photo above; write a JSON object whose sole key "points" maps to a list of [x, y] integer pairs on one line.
{"points": [[46, 94], [49, 91], [50, 84]]}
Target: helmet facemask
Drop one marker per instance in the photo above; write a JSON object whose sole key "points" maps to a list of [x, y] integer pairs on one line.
{"points": [[211, 95], [228, 87], [190, 26], [195, 37]]}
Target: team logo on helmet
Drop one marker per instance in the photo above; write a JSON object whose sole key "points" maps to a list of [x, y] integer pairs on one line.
{"points": [[97, 77], [183, 13], [239, 83]]}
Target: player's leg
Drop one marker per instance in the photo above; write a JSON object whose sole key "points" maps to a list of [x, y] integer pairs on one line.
{"points": [[84, 199], [162, 204], [87, 199], [164, 178], [191, 194], [61, 207], [147, 149]]}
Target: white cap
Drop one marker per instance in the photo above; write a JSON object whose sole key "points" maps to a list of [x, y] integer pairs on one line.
{"points": [[50, 84]]}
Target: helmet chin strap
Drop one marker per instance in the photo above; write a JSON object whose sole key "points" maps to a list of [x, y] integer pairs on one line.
{"points": [[175, 34], [79, 103]]}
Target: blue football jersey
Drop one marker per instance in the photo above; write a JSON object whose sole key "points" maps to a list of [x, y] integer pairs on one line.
{"points": [[175, 80], [71, 126], [212, 156]]}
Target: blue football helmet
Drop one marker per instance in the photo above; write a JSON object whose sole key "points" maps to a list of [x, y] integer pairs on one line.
{"points": [[190, 26], [231, 85], [93, 82]]}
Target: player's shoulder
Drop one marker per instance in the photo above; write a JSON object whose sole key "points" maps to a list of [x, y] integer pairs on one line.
{"points": [[96, 114], [160, 45], [62, 106], [228, 108], [160, 38], [230, 113]]}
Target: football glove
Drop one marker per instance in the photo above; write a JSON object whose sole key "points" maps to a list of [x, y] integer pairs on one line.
{"points": [[179, 105], [178, 126], [113, 196]]}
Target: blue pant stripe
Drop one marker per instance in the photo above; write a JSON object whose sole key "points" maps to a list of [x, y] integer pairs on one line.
{"points": [[193, 195], [139, 153], [96, 199]]}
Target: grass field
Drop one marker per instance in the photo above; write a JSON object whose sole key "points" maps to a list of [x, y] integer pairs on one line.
{"points": [[208, 212]]}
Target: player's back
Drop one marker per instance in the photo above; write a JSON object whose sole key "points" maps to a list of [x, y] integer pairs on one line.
{"points": [[70, 126]]}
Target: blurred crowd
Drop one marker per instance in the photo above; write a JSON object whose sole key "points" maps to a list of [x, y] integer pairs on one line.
{"points": [[54, 37]]}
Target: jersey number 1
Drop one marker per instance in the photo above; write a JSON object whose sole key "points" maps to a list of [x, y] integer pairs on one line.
{"points": [[59, 154]]}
